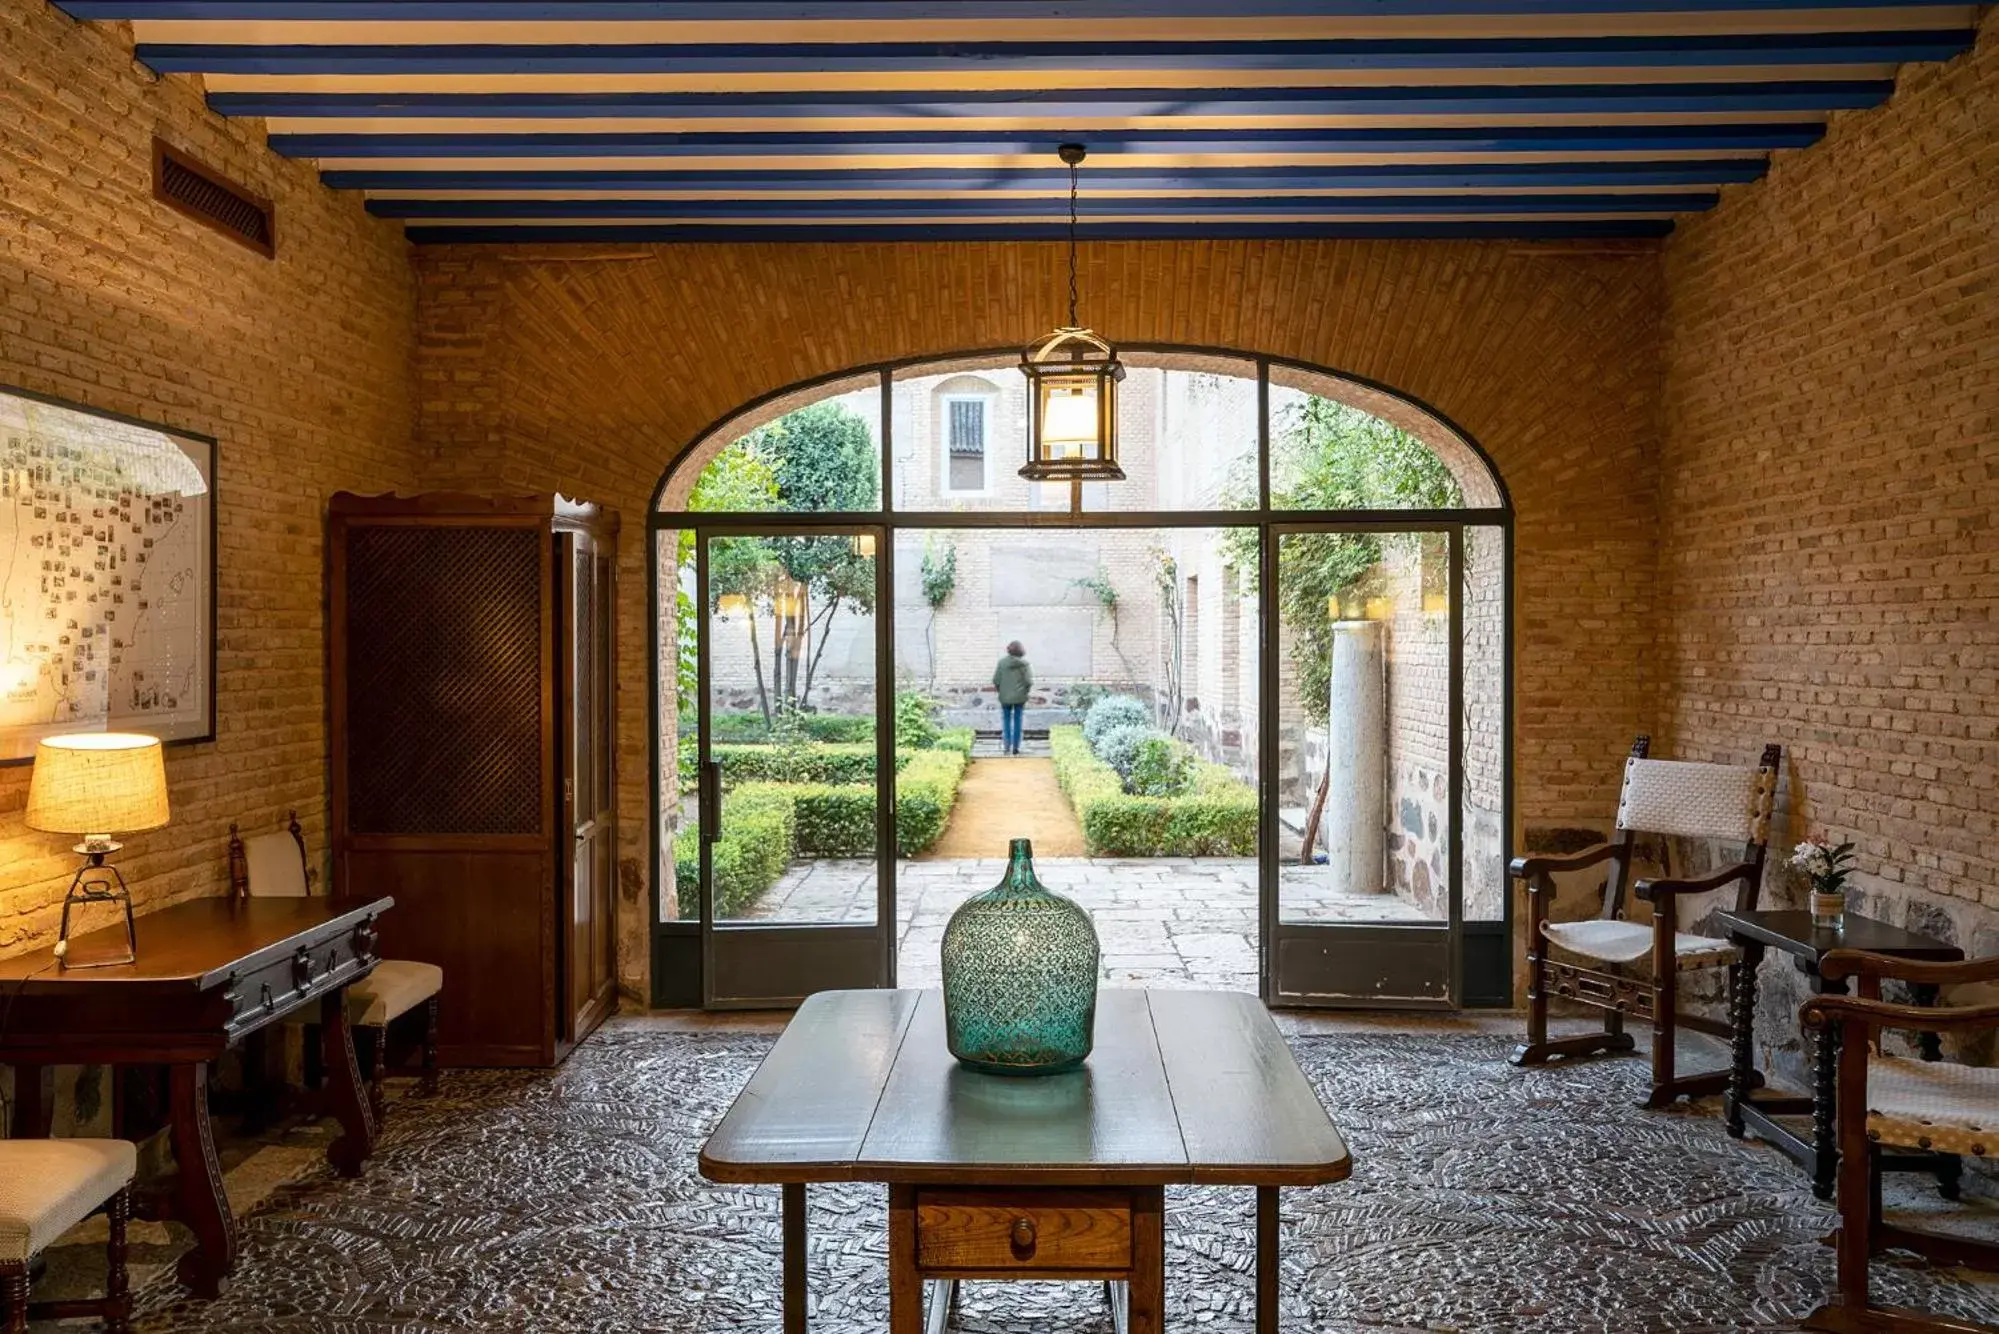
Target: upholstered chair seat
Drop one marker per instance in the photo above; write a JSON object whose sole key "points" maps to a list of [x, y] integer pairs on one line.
{"points": [[48, 1186], [1628, 942], [396, 987], [1934, 1105]]}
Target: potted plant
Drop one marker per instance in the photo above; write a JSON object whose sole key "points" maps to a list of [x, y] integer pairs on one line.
{"points": [[1826, 865]]}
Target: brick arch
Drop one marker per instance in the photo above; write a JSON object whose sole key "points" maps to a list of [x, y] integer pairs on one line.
{"points": [[1477, 475]]}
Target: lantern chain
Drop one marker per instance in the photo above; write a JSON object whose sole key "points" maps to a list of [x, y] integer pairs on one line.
{"points": [[1072, 246]]}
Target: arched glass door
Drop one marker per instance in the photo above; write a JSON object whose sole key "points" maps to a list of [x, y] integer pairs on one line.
{"points": [[1295, 604]]}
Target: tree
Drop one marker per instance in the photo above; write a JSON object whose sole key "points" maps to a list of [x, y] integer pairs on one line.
{"points": [[738, 480], [939, 568], [822, 458]]}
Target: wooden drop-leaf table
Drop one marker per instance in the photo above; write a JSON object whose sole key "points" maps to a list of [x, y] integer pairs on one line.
{"points": [[1057, 1177]]}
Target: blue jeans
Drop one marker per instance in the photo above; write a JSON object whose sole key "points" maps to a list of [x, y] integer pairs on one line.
{"points": [[1010, 719]]}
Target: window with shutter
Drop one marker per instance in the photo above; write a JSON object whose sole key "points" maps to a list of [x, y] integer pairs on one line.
{"points": [[965, 444]]}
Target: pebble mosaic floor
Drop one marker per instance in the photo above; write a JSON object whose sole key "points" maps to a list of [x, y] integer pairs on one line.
{"points": [[1483, 1198]]}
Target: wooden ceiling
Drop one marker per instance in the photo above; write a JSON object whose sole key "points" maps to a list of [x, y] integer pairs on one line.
{"points": [[887, 119]]}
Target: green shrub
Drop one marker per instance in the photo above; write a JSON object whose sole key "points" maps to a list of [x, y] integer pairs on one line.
{"points": [[750, 729], [758, 837], [834, 820], [1114, 711], [1163, 767], [915, 720], [1215, 817], [959, 739], [1119, 746], [810, 762], [925, 791]]}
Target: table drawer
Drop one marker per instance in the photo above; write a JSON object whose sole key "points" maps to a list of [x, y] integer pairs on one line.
{"points": [[1023, 1229]]}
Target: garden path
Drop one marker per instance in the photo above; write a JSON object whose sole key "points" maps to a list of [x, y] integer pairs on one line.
{"points": [[1004, 798]]}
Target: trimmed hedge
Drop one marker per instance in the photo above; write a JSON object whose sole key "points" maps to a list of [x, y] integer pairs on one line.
{"points": [[758, 834], [766, 825], [750, 729], [1217, 817], [822, 762], [959, 739]]}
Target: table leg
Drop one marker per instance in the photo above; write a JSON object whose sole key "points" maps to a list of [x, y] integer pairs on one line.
{"points": [[1742, 1019], [349, 1095], [795, 1309], [1147, 1293], [1928, 1043], [1266, 1260], [905, 1284], [1825, 1100], [942, 1292], [199, 1198], [34, 1102]]}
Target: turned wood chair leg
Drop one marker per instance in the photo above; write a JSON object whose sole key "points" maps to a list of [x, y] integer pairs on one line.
{"points": [[117, 1280], [1535, 1052], [1665, 1034], [371, 1046], [429, 1084], [14, 1295]]}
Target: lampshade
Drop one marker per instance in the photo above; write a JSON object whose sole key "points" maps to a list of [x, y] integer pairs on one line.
{"points": [[98, 783]]}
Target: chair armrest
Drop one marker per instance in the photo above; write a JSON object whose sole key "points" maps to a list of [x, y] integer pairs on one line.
{"points": [[1526, 868], [1822, 1010], [1839, 964], [1654, 890]]}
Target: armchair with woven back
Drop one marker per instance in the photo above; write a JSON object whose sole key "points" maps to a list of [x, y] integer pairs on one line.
{"points": [[1897, 1102], [1667, 799]]}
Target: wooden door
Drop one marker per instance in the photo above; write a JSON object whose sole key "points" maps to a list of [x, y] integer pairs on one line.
{"points": [[589, 958]]}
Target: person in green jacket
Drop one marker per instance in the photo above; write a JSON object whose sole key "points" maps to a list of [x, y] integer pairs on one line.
{"points": [[1012, 679]]}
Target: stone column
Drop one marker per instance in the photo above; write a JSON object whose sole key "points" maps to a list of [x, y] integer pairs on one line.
{"points": [[1355, 823]]}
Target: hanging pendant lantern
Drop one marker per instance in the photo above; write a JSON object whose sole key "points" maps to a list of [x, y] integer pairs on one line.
{"points": [[1072, 378]]}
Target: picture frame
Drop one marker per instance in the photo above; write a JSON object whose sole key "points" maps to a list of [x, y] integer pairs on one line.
{"points": [[107, 575]]}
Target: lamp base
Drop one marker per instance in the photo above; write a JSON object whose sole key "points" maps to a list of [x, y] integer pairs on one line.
{"points": [[97, 882]]}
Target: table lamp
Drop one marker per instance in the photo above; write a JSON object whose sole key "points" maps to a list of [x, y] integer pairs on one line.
{"points": [[96, 784]]}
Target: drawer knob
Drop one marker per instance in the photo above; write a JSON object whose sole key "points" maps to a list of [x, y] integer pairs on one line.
{"points": [[1023, 1237]]}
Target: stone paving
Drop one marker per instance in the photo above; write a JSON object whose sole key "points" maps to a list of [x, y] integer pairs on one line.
{"points": [[1162, 921]]}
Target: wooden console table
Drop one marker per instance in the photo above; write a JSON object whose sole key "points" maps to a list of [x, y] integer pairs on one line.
{"points": [[209, 973], [1057, 1177], [1748, 1110]]}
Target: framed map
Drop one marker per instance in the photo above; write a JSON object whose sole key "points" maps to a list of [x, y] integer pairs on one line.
{"points": [[107, 576]]}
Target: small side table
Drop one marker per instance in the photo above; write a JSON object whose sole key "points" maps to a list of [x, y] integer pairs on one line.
{"points": [[1750, 1110]]}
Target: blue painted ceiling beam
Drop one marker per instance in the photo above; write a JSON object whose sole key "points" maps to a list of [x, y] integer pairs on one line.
{"points": [[1508, 99], [1454, 205], [1548, 229], [1104, 144], [587, 11], [1771, 50], [1273, 180]]}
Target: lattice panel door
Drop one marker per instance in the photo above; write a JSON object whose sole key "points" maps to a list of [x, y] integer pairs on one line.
{"points": [[444, 696]]}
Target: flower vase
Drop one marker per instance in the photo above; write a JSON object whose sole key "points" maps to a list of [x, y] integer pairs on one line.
{"points": [[1020, 976], [1828, 911]]}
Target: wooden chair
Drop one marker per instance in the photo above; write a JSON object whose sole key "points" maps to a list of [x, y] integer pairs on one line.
{"points": [[1661, 797], [1897, 1102], [47, 1187], [276, 865]]}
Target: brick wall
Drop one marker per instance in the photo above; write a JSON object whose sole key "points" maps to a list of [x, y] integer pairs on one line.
{"points": [[299, 366], [1829, 566], [590, 368]]}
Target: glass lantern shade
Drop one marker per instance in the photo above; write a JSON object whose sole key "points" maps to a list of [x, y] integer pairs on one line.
{"points": [[1073, 377]]}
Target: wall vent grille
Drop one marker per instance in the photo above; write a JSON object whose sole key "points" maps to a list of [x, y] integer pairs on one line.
{"points": [[204, 195]]}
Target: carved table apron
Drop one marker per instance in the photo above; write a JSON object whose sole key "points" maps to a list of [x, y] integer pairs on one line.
{"points": [[209, 973]]}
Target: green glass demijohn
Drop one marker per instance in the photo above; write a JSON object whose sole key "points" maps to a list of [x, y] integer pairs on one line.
{"points": [[1020, 976]]}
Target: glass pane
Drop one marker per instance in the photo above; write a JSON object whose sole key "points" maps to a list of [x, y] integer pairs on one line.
{"points": [[1364, 695], [1337, 445], [677, 746], [1484, 583], [817, 452], [791, 621]]}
